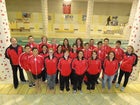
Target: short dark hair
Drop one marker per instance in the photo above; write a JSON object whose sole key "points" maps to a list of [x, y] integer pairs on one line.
{"points": [[44, 37], [34, 48], [99, 42], [91, 39], [26, 46], [30, 36], [118, 41], [106, 39], [44, 45], [86, 43]]}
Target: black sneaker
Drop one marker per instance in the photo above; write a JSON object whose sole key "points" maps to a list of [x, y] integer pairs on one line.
{"points": [[15, 86], [30, 85], [33, 84]]}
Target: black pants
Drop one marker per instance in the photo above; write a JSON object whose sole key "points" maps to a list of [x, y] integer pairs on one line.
{"points": [[91, 80], [72, 77], [127, 75], [64, 81], [56, 78], [15, 77], [78, 79], [44, 75]]}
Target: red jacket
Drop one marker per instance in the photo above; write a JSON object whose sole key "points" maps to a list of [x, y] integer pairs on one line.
{"points": [[13, 54], [53, 46], [51, 65], [119, 53], [94, 66], [79, 48], [73, 55], [65, 66], [33, 45], [79, 66], [41, 44], [23, 60], [64, 48], [129, 60], [58, 55], [87, 53], [110, 67], [101, 54], [107, 49], [44, 54], [36, 64], [92, 47]]}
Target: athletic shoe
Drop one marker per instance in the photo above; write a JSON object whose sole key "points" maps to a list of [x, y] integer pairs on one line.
{"points": [[122, 89], [117, 85]]}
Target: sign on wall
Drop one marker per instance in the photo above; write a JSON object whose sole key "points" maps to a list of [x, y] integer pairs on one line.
{"points": [[67, 7]]}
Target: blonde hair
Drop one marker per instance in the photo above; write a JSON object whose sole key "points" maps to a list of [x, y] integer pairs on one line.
{"points": [[131, 48]]}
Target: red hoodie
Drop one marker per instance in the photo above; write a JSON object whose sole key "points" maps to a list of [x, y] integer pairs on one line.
{"points": [[92, 47], [94, 66], [65, 66], [73, 55], [101, 54], [87, 53], [13, 54], [119, 53], [23, 60], [36, 64], [129, 60], [51, 65], [44, 54], [33, 45], [41, 44], [80, 66], [53, 46], [58, 55], [107, 49], [110, 67]]}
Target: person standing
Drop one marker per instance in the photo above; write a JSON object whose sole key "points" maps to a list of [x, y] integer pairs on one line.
{"points": [[93, 71], [44, 54], [66, 45], [119, 53], [12, 53], [31, 42], [73, 55], [91, 44], [79, 43], [23, 62], [79, 65], [44, 41], [35, 66], [110, 67], [108, 21], [51, 69], [64, 66], [106, 47], [130, 59], [87, 51], [58, 54]]}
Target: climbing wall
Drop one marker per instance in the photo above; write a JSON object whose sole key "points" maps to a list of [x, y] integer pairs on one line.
{"points": [[5, 70], [135, 40]]}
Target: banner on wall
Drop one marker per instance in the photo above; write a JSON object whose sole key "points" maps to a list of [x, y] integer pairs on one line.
{"points": [[67, 7]]}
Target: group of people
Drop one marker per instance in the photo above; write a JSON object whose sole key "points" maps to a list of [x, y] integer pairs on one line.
{"points": [[56, 63]]}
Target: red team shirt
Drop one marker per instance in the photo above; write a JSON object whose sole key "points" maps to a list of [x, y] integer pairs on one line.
{"points": [[36, 64], [65, 66]]}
